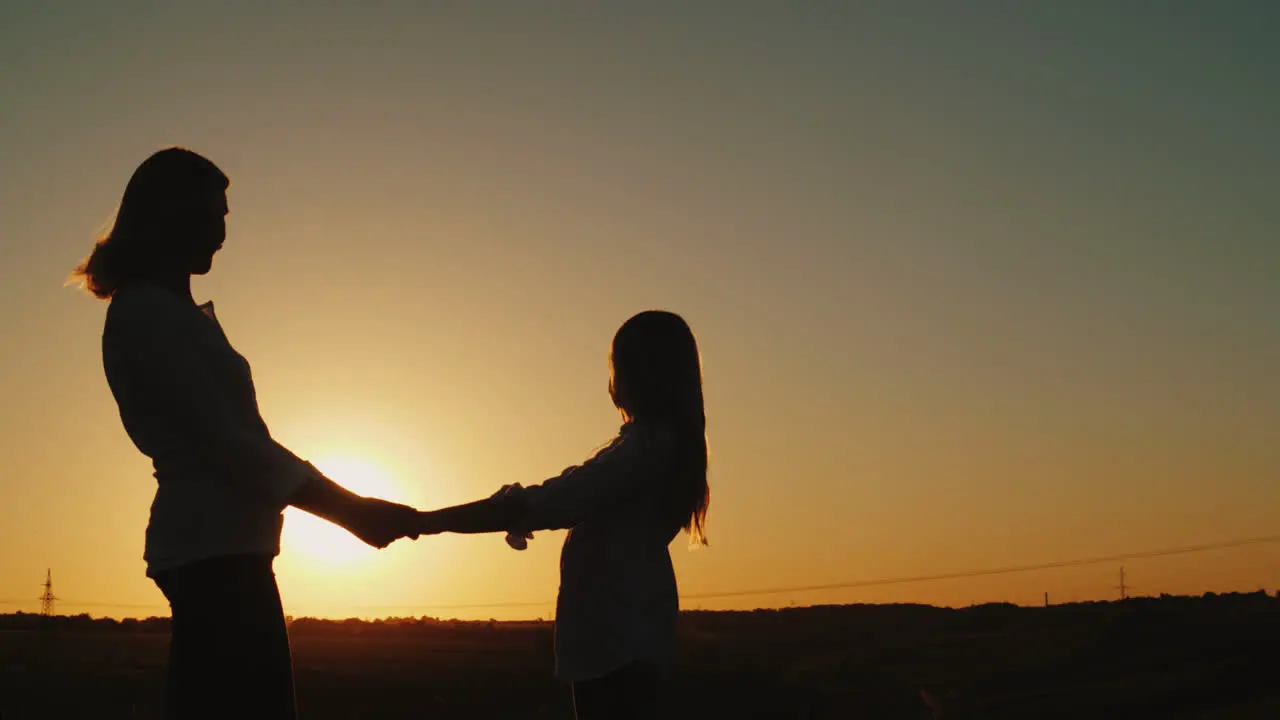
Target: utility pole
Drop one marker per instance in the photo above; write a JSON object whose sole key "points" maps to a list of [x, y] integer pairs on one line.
{"points": [[1124, 589], [47, 599], [1046, 598]]}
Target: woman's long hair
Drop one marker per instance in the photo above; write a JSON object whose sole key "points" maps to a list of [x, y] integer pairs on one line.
{"points": [[656, 375], [161, 193]]}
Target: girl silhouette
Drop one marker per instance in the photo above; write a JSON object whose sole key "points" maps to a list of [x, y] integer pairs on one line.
{"points": [[618, 605]]}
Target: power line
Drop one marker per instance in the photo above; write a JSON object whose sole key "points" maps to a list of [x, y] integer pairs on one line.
{"points": [[898, 580], [466, 606], [877, 582], [995, 571], [123, 606]]}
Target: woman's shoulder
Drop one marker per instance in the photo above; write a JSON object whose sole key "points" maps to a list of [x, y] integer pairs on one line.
{"points": [[142, 306], [140, 293]]}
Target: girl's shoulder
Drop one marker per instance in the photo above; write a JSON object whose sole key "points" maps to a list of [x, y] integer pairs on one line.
{"points": [[648, 440]]}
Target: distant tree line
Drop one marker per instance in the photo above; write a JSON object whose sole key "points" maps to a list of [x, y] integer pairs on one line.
{"points": [[83, 622]]}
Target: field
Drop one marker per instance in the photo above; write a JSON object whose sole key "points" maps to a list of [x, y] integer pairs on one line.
{"points": [[1208, 658]]}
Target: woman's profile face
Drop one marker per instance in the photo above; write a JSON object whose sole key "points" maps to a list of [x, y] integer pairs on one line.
{"points": [[206, 232]]}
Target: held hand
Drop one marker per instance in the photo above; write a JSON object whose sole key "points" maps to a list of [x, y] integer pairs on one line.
{"points": [[516, 539], [519, 540], [380, 523]]}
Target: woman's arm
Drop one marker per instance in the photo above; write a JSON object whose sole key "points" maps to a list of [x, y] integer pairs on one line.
{"points": [[155, 364], [153, 345], [377, 522]]}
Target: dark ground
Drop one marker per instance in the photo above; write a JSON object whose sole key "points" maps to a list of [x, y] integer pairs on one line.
{"points": [[1194, 658]]}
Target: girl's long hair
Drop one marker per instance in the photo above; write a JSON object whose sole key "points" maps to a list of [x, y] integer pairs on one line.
{"points": [[656, 375], [158, 196]]}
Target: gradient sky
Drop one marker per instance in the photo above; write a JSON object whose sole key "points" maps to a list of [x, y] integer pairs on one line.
{"points": [[975, 284]]}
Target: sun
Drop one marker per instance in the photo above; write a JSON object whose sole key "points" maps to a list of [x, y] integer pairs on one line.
{"points": [[322, 541]]}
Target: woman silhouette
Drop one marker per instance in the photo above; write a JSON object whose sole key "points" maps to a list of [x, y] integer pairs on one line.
{"points": [[187, 401]]}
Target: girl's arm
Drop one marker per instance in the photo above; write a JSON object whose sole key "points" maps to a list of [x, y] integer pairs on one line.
{"points": [[495, 514], [630, 466], [616, 474]]}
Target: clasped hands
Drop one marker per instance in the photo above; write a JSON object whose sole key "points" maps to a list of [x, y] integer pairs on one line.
{"points": [[380, 522]]}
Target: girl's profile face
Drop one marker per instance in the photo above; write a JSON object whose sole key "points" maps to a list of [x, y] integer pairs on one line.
{"points": [[615, 391]]}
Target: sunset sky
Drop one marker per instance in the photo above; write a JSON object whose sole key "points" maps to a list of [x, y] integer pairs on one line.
{"points": [[976, 284]]}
